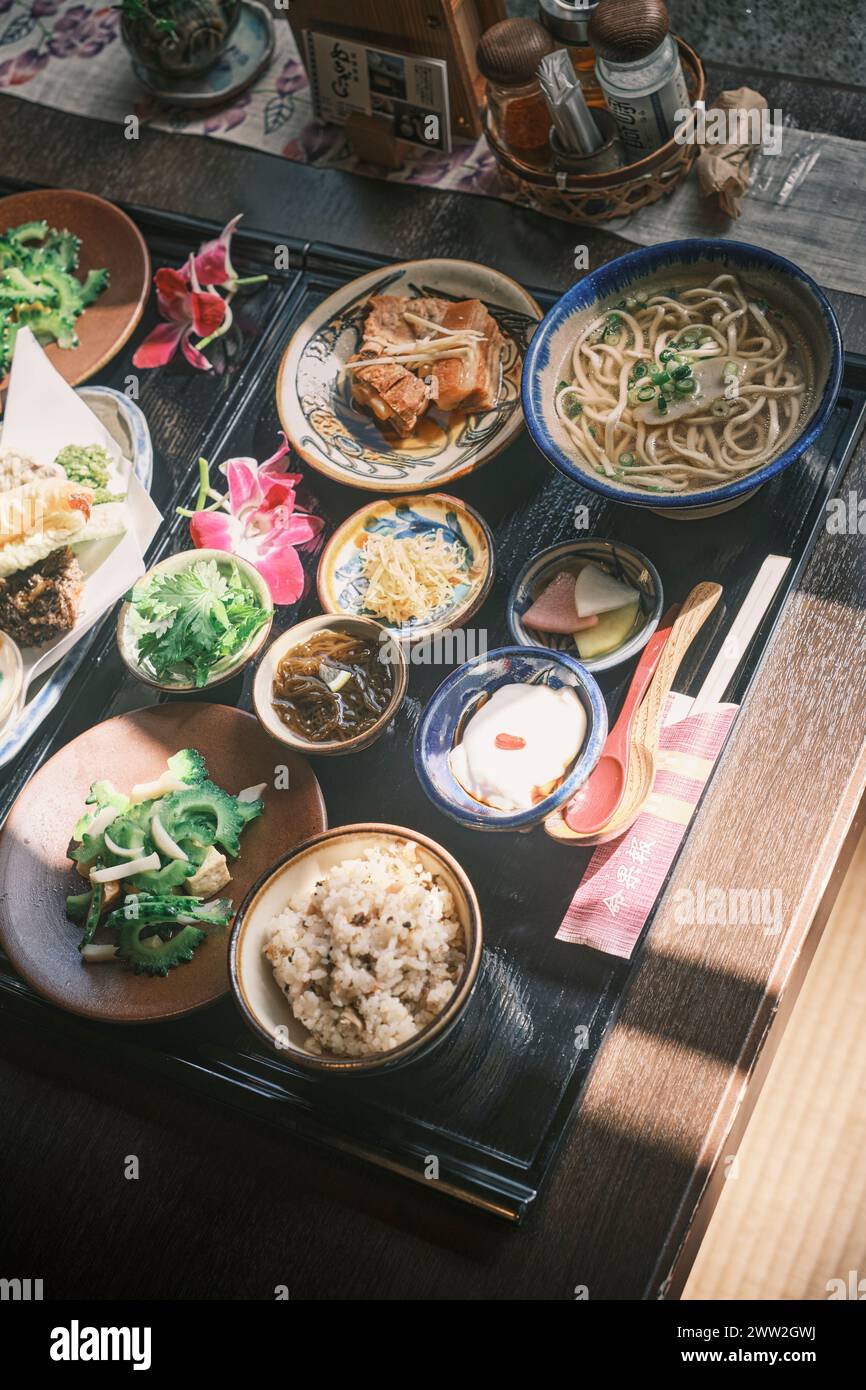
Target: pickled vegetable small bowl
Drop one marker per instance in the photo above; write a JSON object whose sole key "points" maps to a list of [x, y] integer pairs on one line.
{"points": [[195, 620], [609, 638], [330, 685]]}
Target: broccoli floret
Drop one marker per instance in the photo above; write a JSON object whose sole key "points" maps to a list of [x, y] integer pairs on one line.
{"points": [[189, 765]]}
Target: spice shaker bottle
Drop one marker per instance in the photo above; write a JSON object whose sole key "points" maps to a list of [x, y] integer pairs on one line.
{"points": [[568, 22], [508, 56], [639, 71]]}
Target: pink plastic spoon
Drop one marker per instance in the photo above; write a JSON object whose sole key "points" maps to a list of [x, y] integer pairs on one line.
{"points": [[599, 798]]}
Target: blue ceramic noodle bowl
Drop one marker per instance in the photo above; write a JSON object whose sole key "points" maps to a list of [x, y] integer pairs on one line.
{"points": [[456, 696], [783, 284]]}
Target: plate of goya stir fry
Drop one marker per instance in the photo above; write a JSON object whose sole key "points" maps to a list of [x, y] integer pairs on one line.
{"points": [[76, 271], [133, 846]]}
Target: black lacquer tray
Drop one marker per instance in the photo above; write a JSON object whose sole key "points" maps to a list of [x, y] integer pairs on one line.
{"points": [[492, 1103]]}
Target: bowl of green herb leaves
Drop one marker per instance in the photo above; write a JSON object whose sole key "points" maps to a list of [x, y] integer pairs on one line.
{"points": [[194, 620]]}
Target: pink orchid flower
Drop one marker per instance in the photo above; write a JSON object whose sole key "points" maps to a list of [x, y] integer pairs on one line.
{"points": [[190, 302], [188, 310], [213, 264], [257, 520]]}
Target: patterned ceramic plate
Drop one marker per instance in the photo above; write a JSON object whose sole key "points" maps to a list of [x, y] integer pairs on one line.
{"points": [[341, 582], [339, 438]]}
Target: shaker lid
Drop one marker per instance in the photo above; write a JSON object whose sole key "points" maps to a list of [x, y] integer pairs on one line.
{"points": [[567, 20], [624, 31], [509, 53]]}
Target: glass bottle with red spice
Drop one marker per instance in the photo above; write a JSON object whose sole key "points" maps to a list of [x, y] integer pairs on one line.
{"points": [[508, 56]]}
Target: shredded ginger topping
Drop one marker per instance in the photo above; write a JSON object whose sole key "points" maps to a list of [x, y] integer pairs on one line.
{"points": [[410, 578]]}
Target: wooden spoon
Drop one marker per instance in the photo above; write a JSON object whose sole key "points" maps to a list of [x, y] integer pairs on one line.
{"points": [[600, 797], [647, 723]]}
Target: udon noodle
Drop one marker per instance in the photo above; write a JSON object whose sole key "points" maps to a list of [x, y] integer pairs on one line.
{"points": [[682, 389]]}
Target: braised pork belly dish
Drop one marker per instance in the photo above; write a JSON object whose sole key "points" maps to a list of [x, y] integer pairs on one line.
{"points": [[426, 352]]}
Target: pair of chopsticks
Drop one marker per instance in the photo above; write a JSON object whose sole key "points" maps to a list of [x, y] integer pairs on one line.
{"points": [[743, 629]]}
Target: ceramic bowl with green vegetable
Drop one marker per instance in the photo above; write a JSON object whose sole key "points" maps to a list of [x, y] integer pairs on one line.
{"points": [[194, 620]]}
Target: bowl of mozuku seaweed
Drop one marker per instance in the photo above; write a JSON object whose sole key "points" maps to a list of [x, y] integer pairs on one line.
{"points": [[194, 620], [330, 685]]}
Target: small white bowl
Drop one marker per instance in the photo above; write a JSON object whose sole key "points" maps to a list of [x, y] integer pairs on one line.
{"points": [[227, 668], [259, 997]]}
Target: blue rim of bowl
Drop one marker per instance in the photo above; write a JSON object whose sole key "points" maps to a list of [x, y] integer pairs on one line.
{"points": [[613, 276], [487, 817], [629, 648]]}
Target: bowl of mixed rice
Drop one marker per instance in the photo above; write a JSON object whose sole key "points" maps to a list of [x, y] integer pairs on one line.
{"points": [[358, 951]]}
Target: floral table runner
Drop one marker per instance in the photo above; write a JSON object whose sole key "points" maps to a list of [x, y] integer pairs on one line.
{"points": [[808, 203]]}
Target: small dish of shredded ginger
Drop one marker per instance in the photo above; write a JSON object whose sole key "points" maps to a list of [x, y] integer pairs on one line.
{"points": [[420, 565]]}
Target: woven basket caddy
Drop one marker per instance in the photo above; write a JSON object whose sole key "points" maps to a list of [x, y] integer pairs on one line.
{"points": [[610, 193]]}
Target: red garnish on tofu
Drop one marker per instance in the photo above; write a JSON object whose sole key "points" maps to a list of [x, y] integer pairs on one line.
{"points": [[509, 741]]}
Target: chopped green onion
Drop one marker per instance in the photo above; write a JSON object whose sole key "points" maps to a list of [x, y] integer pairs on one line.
{"points": [[662, 405], [645, 392], [659, 378], [573, 409], [640, 370], [679, 373], [686, 387], [626, 460], [731, 371]]}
